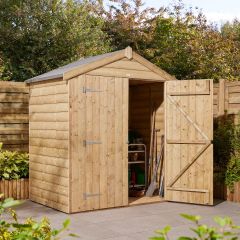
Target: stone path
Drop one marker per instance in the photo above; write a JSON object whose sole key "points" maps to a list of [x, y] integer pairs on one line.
{"points": [[131, 223]]}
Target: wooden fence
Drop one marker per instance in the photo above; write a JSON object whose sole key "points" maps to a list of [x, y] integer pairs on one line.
{"points": [[14, 115], [17, 189], [226, 98]]}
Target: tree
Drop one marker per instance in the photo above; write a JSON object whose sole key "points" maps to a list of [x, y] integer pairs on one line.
{"points": [[185, 45], [128, 23], [175, 38], [38, 36]]}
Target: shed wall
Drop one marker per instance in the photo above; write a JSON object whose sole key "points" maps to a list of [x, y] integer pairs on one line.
{"points": [[48, 130]]}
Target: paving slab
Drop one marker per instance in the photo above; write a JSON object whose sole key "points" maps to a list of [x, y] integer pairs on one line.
{"points": [[130, 223]]}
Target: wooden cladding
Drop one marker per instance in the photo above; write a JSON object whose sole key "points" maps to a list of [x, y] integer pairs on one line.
{"points": [[48, 150], [99, 130], [226, 98], [125, 68], [188, 136], [14, 115], [17, 189]]}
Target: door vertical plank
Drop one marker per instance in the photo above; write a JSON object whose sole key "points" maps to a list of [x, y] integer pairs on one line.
{"points": [[192, 135], [125, 102], [167, 156], [168, 134], [208, 173], [118, 142], [104, 138], [200, 161], [95, 147], [111, 144], [89, 147], [81, 133], [176, 148], [184, 86], [74, 190]]}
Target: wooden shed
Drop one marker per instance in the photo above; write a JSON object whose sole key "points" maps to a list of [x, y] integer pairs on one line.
{"points": [[83, 116]]}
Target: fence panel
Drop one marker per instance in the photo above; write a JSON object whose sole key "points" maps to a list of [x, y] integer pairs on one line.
{"points": [[14, 115], [226, 98]]}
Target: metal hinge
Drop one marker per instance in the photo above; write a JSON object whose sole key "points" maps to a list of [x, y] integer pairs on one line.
{"points": [[87, 195], [89, 142], [86, 90]]}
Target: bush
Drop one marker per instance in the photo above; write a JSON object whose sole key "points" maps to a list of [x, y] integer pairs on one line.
{"points": [[13, 165], [30, 229], [227, 150], [226, 229]]}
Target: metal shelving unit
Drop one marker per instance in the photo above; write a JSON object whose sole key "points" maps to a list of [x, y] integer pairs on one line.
{"points": [[132, 150]]}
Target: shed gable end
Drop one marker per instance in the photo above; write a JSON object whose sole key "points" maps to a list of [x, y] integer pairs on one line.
{"points": [[128, 68]]}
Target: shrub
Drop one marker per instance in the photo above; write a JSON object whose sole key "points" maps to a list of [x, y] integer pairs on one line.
{"points": [[30, 229], [225, 229], [227, 150], [13, 165]]}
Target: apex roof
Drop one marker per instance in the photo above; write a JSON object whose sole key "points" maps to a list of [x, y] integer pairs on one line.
{"points": [[84, 65]]}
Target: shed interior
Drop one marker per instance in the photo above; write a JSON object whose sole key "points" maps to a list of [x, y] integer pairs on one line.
{"points": [[145, 109]]}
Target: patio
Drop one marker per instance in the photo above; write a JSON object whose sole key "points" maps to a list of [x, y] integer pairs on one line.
{"points": [[131, 223]]}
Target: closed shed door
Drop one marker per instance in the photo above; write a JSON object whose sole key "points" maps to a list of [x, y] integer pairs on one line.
{"points": [[99, 142], [188, 136]]}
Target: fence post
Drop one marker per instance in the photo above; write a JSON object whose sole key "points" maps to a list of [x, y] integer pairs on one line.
{"points": [[221, 97]]}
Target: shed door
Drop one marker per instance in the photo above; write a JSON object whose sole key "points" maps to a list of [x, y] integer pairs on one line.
{"points": [[99, 166], [188, 137]]}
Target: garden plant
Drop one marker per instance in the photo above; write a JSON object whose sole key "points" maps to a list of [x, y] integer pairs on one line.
{"points": [[12, 229], [225, 229], [13, 165]]}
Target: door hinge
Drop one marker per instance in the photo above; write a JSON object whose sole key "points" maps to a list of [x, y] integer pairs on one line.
{"points": [[89, 142], [86, 90], [87, 195]]}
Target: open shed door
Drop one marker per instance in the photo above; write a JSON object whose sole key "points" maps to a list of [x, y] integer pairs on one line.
{"points": [[188, 137]]}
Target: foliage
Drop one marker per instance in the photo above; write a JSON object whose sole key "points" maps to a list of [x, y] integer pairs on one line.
{"points": [[233, 166], [129, 23], [233, 171], [227, 149], [226, 229], [30, 230], [175, 38], [13, 165], [222, 140], [38, 36]]}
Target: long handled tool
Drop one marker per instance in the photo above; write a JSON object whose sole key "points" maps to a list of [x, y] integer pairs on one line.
{"points": [[153, 185], [150, 161], [161, 189], [161, 176]]}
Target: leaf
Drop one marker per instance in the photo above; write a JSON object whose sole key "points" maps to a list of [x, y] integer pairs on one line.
{"points": [[185, 238], [220, 221], [192, 218], [164, 231], [157, 238], [8, 203], [66, 223], [5, 175], [73, 235]]}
